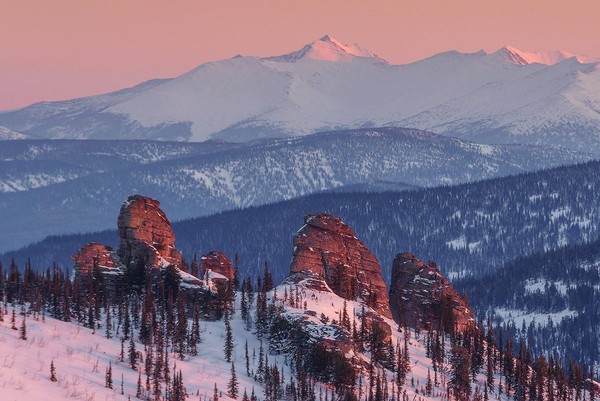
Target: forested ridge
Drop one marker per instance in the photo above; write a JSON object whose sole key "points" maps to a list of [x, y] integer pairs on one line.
{"points": [[468, 229]]}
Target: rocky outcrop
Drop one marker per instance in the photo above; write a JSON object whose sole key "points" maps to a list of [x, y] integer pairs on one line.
{"points": [[94, 254], [146, 234], [216, 264], [421, 297], [326, 246], [101, 257]]}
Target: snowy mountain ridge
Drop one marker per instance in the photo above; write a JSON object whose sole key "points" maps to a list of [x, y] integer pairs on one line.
{"points": [[508, 96], [58, 187]]}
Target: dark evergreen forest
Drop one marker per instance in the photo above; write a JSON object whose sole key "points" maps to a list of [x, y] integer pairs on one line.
{"points": [[566, 278], [469, 230]]}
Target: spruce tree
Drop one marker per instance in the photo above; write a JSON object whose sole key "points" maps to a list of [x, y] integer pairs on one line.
{"points": [[23, 330], [429, 384], [52, 372], [228, 347], [233, 386], [247, 359], [139, 392], [108, 322], [13, 320], [122, 353], [460, 380], [132, 354], [109, 380]]}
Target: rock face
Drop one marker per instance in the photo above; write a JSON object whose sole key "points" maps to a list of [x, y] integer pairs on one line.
{"points": [[106, 261], [217, 262], [146, 234], [326, 246], [421, 297], [94, 254]]}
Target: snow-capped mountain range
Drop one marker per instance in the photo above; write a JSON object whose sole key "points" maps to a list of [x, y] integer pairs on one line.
{"points": [[508, 96], [58, 187]]}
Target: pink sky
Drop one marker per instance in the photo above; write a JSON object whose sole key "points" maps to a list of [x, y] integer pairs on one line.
{"points": [[61, 49]]}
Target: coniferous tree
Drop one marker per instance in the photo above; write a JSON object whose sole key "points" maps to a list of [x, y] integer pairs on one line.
{"points": [[260, 369], [52, 372], [228, 347], [460, 380], [13, 320], [126, 321], [247, 358], [108, 321], [194, 266], [233, 386], [429, 384], [132, 354], [122, 353], [109, 380], [181, 327], [139, 392], [23, 330]]}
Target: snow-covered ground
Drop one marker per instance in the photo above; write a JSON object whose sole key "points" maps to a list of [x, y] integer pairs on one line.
{"points": [[520, 317], [81, 358]]}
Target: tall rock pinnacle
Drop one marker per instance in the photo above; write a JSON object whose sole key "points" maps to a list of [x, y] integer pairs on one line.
{"points": [[146, 234], [326, 246]]}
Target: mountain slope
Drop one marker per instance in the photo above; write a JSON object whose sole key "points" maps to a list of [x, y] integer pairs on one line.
{"points": [[469, 229], [327, 330], [504, 97], [550, 300], [204, 178]]}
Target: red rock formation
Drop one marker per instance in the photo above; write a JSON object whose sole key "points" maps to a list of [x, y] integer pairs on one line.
{"points": [[326, 246], [422, 297], [217, 262], [94, 253], [146, 234]]}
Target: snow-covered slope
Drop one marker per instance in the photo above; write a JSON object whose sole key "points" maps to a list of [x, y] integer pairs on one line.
{"points": [[192, 180], [7, 134], [82, 357], [503, 97]]}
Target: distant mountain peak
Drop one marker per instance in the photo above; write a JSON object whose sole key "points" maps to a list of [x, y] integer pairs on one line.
{"points": [[520, 57], [327, 48]]}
